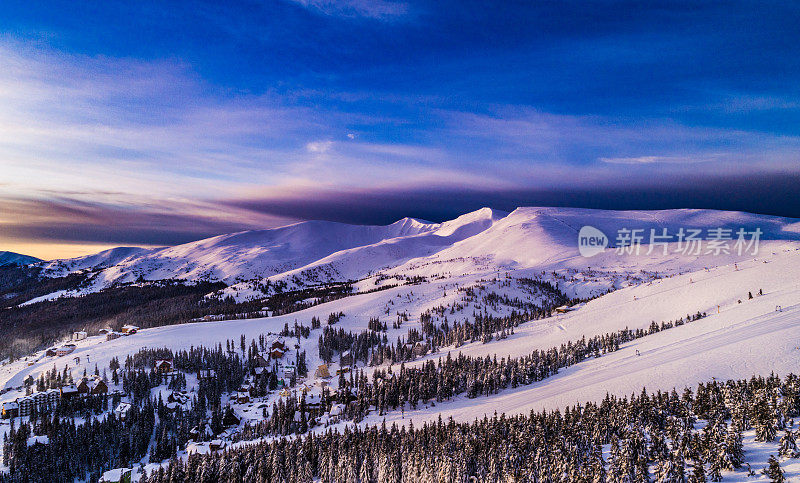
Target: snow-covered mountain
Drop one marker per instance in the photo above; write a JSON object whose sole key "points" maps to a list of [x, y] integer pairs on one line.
{"points": [[480, 269], [485, 240], [11, 258]]}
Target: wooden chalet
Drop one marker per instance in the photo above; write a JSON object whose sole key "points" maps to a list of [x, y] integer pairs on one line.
{"points": [[163, 366]]}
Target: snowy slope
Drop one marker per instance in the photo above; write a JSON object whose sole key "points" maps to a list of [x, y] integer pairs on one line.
{"points": [[237, 256], [359, 262], [106, 258], [11, 258], [547, 237]]}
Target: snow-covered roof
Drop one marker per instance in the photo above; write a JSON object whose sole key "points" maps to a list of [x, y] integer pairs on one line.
{"points": [[114, 475], [93, 383], [123, 407], [198, 448]]}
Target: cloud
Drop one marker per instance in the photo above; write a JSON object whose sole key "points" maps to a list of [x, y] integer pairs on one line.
{"points": [[373, 9], [760, 192], [661, 159], [125, 220], [319, 147]]}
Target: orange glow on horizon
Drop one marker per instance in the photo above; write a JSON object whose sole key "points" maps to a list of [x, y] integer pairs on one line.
{"points": [[54, 250]]}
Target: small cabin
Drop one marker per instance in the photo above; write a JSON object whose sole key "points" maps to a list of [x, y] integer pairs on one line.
{"points": [[113, 335], [80, 335], [122, 409], [129, 329], [68, 392], [163, 366], [336, 412], [420, 349], [276, 353], [564, 309], [230, 418], [178, 397], [346, 358], [278, 344], [200, 432], [65, 349], [10, 410], [98, 386], [260, 361]]}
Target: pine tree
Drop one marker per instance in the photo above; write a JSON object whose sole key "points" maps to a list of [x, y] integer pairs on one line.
{"points": [[788, 445], [773, 470]]}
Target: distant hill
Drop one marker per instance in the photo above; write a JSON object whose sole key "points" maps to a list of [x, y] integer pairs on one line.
{"points": [[16, 259]]}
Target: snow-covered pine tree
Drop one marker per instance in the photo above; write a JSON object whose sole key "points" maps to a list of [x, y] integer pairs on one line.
{"points": [[773, 470]]}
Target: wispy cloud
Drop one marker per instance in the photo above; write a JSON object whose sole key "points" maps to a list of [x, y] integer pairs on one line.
{"points": [[662, 159], [374, 9]]}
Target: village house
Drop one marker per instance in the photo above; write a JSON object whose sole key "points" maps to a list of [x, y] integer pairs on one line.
{"points": [[206, 373], [336, 412], [113, 335], [122, 409], [129, 329], [92, 386], [79, 335], [65, 349], [278, 343], [276, 353], [242, 397], [230, 418], [50, 352], [10, 409], [260, 361], [200, 432], [98, 386], [41, 402], [163, 366], [178, 397], [216, 445], [564, 309], [346, 358], [68, 392]]}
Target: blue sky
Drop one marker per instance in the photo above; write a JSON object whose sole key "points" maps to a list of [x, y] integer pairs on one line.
{"points": [[153, 123]]}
